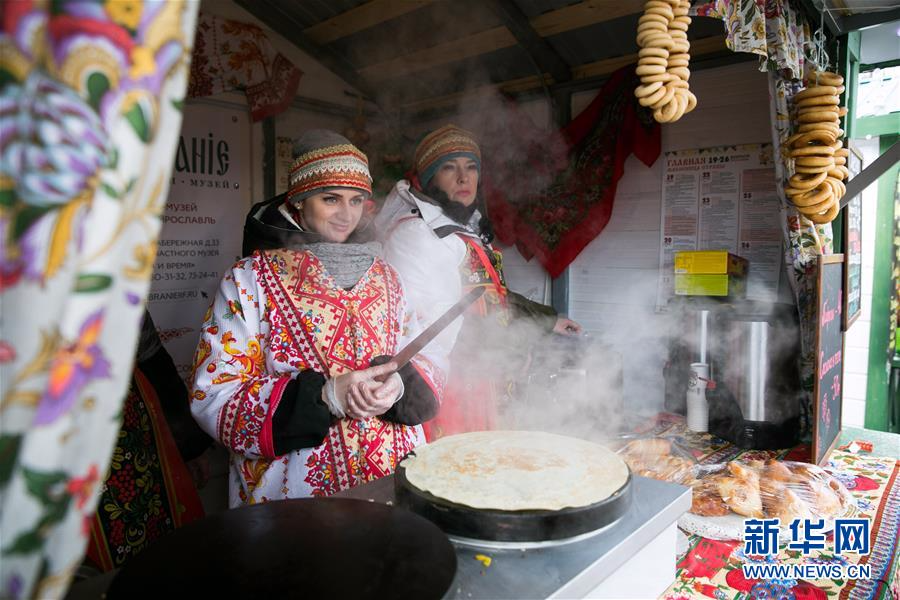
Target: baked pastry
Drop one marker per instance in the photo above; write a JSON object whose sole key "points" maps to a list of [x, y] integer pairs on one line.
{"points": [[785, 505], [777, 471], [773, 489], [663, 59], [707, 501], [648, 447], [817, 185], [651, 458], [709, 505], [516, 470], [741, 491], [823, 501]]}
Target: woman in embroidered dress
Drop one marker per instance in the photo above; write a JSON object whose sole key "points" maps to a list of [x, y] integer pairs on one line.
{"points": [[284, 375], [438, 238]]}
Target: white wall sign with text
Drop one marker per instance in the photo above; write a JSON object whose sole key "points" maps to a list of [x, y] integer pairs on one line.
{"points": [[202, 224]]}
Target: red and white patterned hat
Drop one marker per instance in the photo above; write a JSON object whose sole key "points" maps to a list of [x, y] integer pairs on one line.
{"points": [[323, 160], [441, 145]]}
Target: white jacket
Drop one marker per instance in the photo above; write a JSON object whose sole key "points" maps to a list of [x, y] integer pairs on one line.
{"points": [[428, 261]]}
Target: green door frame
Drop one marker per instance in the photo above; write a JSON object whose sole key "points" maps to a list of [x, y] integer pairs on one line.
{"points": [[886, 128], [848, 60], [877, 383]]}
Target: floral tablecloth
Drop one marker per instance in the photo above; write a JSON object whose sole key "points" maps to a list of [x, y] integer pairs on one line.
{"points": [[712, 569]]}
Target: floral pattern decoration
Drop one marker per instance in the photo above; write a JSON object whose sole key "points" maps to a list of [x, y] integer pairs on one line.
{"points": [[90, 97], [772, 29], [229, 55], [712, 568]]}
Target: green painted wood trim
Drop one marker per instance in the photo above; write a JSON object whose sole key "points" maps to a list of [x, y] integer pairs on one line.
{"points": [[877, 409], [837, 232], [848, 66], [848, 60], [888, 124], [854, 45], [887, 64]]}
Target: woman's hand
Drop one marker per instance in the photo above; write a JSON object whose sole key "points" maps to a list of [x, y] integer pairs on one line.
{"points": [[359, 394], [373, 398], [566, 326]]}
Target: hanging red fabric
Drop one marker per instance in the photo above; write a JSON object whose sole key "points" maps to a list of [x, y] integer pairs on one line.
{"points": [[550, 199]]}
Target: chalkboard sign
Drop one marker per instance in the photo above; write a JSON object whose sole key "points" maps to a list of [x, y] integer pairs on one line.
{"points": [[829, 357], [853, 264]]}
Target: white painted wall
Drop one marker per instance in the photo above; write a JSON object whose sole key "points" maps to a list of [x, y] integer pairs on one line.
{"points": [[856, 342], [613, 281]]}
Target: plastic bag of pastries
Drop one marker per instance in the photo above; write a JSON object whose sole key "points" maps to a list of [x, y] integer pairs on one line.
{"points": [[658, 459], [768, 489]]}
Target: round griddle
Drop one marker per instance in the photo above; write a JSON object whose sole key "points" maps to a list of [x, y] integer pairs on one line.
{"points": [[310, 548], [512, 525]]}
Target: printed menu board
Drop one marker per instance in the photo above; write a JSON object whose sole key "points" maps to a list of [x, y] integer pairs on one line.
{"points": [[722, 198]]}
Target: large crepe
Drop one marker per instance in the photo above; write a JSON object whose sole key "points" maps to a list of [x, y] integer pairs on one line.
{"points": [[516, 470]]}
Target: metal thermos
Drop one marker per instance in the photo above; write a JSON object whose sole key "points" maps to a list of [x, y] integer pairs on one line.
{"points": [[758, 365], [751, 395], [752, 348]]}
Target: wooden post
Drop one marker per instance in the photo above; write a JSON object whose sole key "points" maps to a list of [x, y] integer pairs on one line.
{"points": [[268, 128], [561, 106]]}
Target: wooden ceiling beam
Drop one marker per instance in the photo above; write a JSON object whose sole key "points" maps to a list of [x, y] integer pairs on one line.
{"points": [[360, 18], [699, 48], [513, 86], [546, 59], [863, 20], [448, 52], [583, 14], [270, 13]]}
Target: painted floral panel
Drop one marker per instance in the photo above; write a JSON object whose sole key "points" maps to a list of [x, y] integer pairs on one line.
{"points": [[90, 110]]}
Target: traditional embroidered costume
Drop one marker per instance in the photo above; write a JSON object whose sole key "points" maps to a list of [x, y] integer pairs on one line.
{"points": [[283, 322]]}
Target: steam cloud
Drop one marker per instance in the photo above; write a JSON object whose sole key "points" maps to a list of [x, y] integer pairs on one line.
{"points": [[580, 387], [592, 387]]}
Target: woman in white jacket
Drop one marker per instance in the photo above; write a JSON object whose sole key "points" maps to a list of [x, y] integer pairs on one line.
{"points": [[436, 235]]}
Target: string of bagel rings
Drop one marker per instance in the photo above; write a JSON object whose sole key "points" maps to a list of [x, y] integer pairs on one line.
{"points": [[819, 158], [663, 60]]}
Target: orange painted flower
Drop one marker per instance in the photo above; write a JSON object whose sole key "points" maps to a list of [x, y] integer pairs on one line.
{"points": [[125, 12], [73, 367]]}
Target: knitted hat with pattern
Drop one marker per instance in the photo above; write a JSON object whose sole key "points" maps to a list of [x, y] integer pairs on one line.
{"points": [[441, 145], [324, 159]]}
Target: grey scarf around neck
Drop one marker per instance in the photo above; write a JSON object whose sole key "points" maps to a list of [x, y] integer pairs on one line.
{"points": [[347, 262]]}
